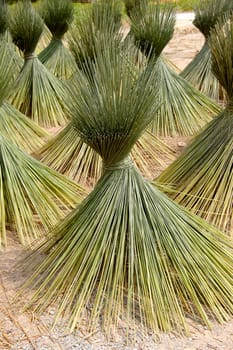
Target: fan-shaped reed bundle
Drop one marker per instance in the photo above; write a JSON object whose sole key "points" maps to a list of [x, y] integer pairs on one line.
{"points": [[201, 178], [5, 40], [66, 152], [199, 71], [129, 252], [57, 16], [184, 110], [14, 126], [37, 92]]}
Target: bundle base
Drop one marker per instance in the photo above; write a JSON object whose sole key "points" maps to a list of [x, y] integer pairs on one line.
{"points": [[130, 253]]}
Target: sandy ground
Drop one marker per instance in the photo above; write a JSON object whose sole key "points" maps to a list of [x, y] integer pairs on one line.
{"points": [[186, 41], [23, 331]]}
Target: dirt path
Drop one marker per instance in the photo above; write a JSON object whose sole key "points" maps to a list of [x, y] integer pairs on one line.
{"points": [[22, 331], [185, 43]]}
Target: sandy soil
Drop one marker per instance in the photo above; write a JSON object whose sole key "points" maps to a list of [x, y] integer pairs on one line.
{"points": [[186, 42], [23, 331]]}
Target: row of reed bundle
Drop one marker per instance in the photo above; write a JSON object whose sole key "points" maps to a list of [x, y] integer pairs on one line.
{"points": [[67, 152], [33, 196], [127, 253], [182, 109]]}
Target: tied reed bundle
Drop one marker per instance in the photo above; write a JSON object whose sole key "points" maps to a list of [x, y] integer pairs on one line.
{"points": [[201, 178], [58, 16], [37, 92], [199, 71], [184, 110], [14, 126], [67, 152], [5, 40], [128, 252], [33, 197]]}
